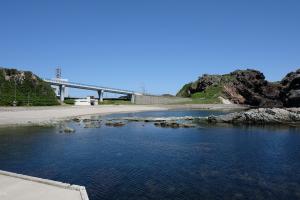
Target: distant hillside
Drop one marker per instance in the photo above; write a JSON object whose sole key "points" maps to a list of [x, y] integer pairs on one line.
{"points": [[28, 88], [245, 87]]}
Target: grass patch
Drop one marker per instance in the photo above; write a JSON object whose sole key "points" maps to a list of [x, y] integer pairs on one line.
{"points": [[205, 101], [69, 101], [211, 92], [209, 96], [184, 91]]}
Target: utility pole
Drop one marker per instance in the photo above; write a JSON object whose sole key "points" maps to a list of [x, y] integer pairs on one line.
{"points": [[58, 72]]}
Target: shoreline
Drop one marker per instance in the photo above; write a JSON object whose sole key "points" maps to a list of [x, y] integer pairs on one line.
{"points": [[48, 116]]}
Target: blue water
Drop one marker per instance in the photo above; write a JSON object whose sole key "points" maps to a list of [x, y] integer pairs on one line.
{"points": [[140, 161]]}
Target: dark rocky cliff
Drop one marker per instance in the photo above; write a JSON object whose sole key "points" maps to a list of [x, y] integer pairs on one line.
{"points": [[290, 92], [250, 87]]}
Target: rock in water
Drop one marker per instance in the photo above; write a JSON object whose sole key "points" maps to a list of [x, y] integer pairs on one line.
{"points": [[173, 124], [69, 130], [92, 125], [76, 120], [115, 124], [260, 116]]}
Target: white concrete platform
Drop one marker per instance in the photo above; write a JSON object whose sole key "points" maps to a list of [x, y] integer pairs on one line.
{"points": [[20, 187]]}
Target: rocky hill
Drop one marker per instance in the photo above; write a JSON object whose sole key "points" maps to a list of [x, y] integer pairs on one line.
{"points": [[247, 87], [27, 88]]}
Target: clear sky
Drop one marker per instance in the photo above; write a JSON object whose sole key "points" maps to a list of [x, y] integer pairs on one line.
{"points": [[156, 44]]}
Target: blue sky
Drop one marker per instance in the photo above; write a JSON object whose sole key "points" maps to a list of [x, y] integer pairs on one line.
{"points": [[156, 44]]}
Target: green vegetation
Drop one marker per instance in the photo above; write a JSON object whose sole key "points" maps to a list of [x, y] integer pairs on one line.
{"points": [[184, 92], [227, 78], [207, 88], [115, 102], [204, 83], [209, 96], [26, 88], [211, 92], [69, 101]]}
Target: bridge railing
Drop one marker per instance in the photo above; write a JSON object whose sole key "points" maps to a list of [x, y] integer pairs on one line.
{"points": [[87, 85]]}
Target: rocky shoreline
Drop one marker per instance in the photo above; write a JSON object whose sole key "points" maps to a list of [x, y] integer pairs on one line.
{"points": [[260, 116]]}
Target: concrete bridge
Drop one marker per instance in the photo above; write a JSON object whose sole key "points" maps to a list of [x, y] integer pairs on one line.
{"points": [[63, 84]]}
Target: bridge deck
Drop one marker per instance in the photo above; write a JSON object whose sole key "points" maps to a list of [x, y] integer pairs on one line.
{"points": [[89, 87]]}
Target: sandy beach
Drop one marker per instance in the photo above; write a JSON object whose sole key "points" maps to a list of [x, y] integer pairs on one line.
{"points": [[19, 116]]}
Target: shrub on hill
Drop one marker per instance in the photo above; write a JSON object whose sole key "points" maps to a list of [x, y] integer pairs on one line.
{"points": [[26, 88]]}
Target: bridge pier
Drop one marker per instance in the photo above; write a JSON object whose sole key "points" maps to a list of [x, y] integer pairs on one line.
{"points": [[100, 94], [62, 93], [132, 98]]}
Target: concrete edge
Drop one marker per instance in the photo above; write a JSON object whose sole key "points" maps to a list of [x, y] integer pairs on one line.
{"points": [[81, 189]]}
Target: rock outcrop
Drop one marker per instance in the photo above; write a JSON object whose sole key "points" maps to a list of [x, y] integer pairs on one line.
{"points": [[290, 93], [174, 124], [256, 91], [249, 87], [115, 124], [260, 116]]}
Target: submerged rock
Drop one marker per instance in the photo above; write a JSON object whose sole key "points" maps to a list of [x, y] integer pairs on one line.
{"points": [[115, 124], [167, 124], [174, 125], [76, 120], [69, 130], [156, 119], [91, 120], [164, 122], [188, 125], [92, 125]]}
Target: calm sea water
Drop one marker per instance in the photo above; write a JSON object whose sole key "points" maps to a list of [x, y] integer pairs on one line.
{"points": [[140, 161]]}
